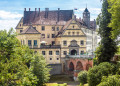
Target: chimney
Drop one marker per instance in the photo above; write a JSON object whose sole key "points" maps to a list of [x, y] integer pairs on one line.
{"points": [[29, 9], [46, 9], [58, 14], [24, 9], [46, 12], [58, 9], [35, 9], [39, 9], [39, 12]]}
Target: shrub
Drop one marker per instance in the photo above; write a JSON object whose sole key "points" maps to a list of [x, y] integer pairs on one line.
{"points": [[110, 81], [82, 77], [95, 74]]}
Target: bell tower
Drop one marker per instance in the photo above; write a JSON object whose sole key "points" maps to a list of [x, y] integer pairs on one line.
{"points": [[86, 17]]}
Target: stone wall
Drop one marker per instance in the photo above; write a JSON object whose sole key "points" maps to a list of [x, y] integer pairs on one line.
{"points": [[56, 69]]}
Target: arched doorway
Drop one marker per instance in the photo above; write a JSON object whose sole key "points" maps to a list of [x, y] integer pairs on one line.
{"points": [[73, 52], [79, 66], [88, 66], [71, 66]]}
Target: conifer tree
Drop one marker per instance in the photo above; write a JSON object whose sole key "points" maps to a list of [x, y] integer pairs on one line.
{"points": [[107, 47]]}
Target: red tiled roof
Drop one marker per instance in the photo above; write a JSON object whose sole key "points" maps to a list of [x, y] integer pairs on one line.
{"points": [[59, 17]]}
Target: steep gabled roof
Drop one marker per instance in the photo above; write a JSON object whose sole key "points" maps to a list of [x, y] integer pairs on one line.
{"points": [[18, 23], [67, 24], [30, 30], [86, 10], [48, 18]]}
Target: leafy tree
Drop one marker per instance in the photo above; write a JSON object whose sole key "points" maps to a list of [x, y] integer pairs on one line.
{"points": [[40, 69], [15, 62], [82, 77], [113, 80], [115, 17], [96, 73], [107, 47]]}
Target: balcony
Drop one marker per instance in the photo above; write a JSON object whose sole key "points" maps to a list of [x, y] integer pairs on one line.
{"points": [[35, 46], [50, 46], [79, 56]]}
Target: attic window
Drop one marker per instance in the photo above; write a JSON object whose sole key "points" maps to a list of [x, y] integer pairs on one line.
{"points": [[34, 28]]}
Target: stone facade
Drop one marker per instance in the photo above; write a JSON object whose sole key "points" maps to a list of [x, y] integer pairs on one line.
{"points": [[57, 35]]}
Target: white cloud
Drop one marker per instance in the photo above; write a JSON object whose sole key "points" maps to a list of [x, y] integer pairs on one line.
{"points": [[9, 19], [93, 12], [9, 15]]}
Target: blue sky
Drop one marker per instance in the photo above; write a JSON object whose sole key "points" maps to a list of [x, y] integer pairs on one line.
{"points": [[12, 10]]}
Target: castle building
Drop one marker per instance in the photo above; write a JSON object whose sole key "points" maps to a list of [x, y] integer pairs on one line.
{"points": [[58, 34]]}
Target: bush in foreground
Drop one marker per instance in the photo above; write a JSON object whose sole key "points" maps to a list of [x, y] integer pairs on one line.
{"points": [[95, 74], [113, 80], [82, 77]]}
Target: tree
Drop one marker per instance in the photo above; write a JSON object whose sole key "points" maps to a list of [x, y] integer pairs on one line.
{"points": [[107, 47], [96, 73], [15, 62], [115, 17], [82, 77], [40, 69], [113, 80]]}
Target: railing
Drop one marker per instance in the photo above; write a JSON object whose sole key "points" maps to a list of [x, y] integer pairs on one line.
{"points": [[35, 46], [50, 46], [79, 56]]}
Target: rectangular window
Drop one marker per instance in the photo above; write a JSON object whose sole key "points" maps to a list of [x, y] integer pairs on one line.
{"points": [[43, 35], [53, 28], [48, 36], [53, 35], [64, 43], [57, 28], [65, 52], [21, 31], [57, 52], [43, 28], [82, 52], [35, 42], [53, 42], [50, 52], [29, 43], [43, 52], [82, 42]]}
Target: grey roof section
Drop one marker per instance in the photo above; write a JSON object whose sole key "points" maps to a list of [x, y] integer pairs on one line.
{"points": [[30, 30], [86, 10]]}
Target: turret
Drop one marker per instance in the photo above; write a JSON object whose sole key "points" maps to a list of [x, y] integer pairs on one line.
{"points": [[86, 17]]}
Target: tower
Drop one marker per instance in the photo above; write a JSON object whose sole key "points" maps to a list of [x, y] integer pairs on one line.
{"points": [[86, 17]]}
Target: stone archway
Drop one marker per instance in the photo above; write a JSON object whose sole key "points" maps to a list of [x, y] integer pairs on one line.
{"points": [[73, 52], [79, 66], [71, 66], [88, 66]]}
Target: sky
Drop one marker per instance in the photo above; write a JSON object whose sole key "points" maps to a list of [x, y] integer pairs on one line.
{"points": [[12, 10]]}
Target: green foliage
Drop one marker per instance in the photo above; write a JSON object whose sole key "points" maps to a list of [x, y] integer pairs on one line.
{"points": [[95, 74], [95, 61], [82, 77], [15, 62], [114, 9], [107, 47], [113, 80], [40, 69]]}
